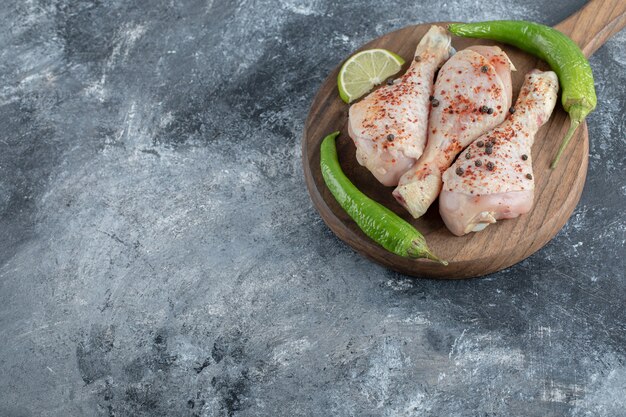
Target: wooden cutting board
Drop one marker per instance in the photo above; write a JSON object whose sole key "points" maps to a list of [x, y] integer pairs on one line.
{"points": [[500, 245]]}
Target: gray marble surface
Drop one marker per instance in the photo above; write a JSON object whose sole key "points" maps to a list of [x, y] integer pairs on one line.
{"points": [[160, 256]]}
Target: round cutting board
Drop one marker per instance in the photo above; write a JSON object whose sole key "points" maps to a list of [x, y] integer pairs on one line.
{"points": [[498, 246]]}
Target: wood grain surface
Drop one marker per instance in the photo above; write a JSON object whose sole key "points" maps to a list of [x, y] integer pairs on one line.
{"points": [[500, 245]]}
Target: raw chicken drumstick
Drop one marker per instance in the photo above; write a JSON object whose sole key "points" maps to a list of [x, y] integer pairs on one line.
{"points": [[472, 95], [492, 179], [389, 126]]}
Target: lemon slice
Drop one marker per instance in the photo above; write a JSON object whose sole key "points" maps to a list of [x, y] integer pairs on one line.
{"points": [[363, 70]]}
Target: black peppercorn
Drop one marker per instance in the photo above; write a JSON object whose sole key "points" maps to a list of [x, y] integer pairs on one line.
{"points": [[468, 155], [512, 110], [430, 98], [489, 110], [459, 171], [524, 157], [480, 143], [390, 137], [390, 81], [490, 166], [484, 68], [488, 150], [418, 59], [435, 102], [484, 109], [478, 162], [529, 176]]}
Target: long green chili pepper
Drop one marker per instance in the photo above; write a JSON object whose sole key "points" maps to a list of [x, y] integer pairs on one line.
{"points": [[559, 51], [376, 221]]}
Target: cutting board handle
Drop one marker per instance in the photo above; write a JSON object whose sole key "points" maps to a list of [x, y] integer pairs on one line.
{"points": [[594, 24]]}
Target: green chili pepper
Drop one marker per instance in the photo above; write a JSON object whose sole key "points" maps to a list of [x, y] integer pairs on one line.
{"points": [[559, 51], [376, 221]]}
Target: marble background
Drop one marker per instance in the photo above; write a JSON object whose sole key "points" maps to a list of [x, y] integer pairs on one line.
{"points": [[160, 256]]}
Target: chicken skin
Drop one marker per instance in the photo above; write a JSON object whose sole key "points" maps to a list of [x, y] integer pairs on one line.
{"points": [[472, 95], [492, 179], [389, 126]]}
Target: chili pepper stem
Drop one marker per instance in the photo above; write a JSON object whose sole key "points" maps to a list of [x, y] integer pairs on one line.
{"points": [[568, 136], [419, 250]]}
